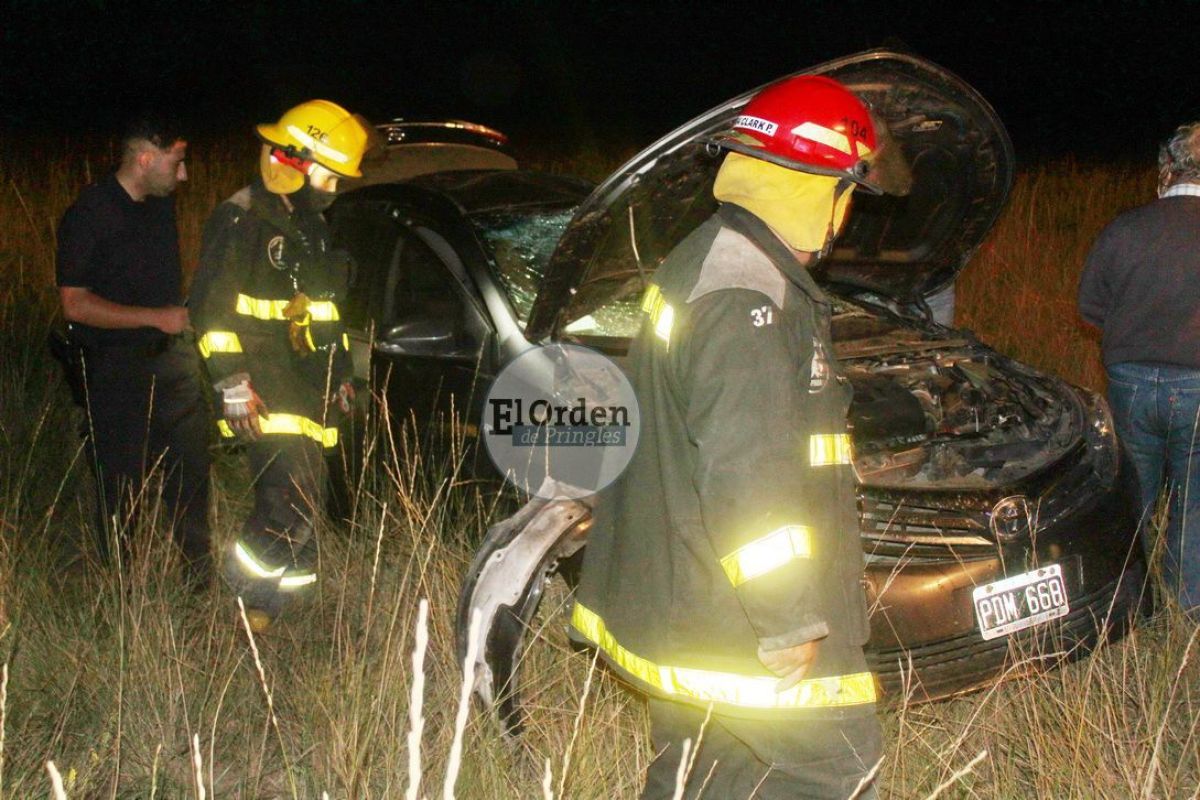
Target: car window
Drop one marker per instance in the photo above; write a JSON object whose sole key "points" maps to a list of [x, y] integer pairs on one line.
{"points": [[368, 238], [419, 284], [520, 243]]}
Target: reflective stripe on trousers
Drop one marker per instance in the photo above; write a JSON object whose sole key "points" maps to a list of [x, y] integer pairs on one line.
{"points": [[254, 568]]}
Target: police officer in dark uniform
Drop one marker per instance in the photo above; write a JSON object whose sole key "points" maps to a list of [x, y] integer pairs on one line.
{"points": [[724, 570], [120, 284], [265, 304]]}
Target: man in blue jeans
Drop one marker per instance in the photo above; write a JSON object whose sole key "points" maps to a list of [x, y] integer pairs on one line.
{"points": [[1141, 287]]}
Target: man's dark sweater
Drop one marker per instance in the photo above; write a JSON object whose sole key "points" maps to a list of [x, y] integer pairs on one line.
{"points": [[1141, 284]]}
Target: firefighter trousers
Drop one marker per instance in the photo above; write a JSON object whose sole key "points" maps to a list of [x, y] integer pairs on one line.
{"points": [[823, 759], [289, 477]]}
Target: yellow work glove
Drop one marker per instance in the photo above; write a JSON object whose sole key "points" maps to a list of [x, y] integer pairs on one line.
{"points": [[298, 316]]}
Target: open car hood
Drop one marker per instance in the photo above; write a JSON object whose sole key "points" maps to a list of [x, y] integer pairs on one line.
{"points": [[902, 247]]}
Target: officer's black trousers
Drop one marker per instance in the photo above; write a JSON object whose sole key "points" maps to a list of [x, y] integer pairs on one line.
{"points": [[148, 414], [771, 760]]}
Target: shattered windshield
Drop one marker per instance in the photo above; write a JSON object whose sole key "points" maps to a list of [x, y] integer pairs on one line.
{"points": [[618, 318], [521, 242]]}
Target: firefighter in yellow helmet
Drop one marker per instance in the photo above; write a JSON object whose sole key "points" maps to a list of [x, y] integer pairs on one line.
{"points": [[723, 571], [265, 307]]}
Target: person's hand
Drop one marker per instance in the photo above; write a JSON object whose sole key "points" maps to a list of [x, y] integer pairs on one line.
{"points": [[242, 408], [171, 319], [791, 663]]}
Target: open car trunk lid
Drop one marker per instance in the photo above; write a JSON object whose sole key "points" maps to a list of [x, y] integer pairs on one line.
{"points": [[402, 150], [900, 247]]}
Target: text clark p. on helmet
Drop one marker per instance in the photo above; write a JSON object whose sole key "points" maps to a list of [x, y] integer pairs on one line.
{"points": [[807, 123], [320, 131]]}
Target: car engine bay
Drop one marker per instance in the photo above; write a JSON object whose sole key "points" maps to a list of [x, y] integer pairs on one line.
{"points": [[931, 410]]}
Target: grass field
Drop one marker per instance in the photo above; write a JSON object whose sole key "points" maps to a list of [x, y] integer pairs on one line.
{"points": [[135, 689]]}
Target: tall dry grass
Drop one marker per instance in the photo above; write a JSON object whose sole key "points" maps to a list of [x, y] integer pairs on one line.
{"points": [[1019, 291], [135, 689]]}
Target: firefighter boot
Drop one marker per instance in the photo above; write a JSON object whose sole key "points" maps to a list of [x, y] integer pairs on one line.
{"points": [[269, 572], [259, 593]]}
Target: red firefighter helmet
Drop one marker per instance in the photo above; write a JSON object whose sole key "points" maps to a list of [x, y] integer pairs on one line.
{"points": [[807, 123]]}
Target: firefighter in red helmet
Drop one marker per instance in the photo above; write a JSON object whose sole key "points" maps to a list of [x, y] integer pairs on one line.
{"points": [[741, 493]]}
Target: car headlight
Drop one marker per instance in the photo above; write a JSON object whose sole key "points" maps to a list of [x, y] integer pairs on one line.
{"points": [[1101, 436]]}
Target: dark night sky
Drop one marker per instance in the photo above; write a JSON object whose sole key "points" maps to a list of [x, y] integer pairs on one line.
{"points": [[1090, 78]]}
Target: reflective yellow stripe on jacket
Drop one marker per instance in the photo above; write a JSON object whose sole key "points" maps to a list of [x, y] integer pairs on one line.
{"points": [[769, 553], [827, 449], [748, 691], [662, 315], [319, 310], [219, 342], [289, 425]]}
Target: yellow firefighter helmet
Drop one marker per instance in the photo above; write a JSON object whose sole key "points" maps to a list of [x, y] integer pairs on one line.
{"points": [[322, 132]]}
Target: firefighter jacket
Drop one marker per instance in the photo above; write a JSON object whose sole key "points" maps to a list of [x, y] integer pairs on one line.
{"points": [[734, 526], [264, 302]]}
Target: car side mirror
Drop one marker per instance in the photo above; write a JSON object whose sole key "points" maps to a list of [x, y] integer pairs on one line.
{"points": [[424, 336]]}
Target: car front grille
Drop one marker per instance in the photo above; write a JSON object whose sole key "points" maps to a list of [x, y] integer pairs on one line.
{"points": [[900, 527], [895, 532]]}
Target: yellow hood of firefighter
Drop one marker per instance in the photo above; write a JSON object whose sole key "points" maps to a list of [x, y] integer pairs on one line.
{"points": [[798, 206], [279, 178]]}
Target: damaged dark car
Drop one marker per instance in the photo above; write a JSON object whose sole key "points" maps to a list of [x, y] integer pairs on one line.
{"points": [[995, 507]]}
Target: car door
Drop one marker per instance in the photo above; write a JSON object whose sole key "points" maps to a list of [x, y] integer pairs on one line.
{"points": [[430, 354], [417, 334], [367, 232]]}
